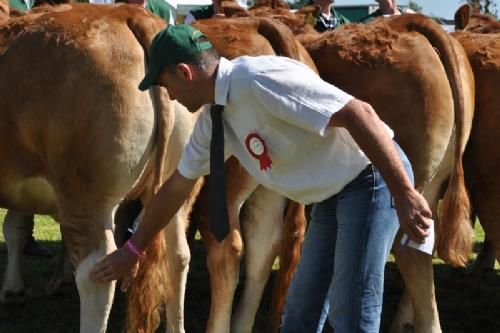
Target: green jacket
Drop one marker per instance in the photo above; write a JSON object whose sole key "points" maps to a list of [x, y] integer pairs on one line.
{"points": [[159, 8], [202, 12], [20, 5]]}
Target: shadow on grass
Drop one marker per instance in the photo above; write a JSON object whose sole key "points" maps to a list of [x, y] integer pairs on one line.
{"points": [[466, 303]]}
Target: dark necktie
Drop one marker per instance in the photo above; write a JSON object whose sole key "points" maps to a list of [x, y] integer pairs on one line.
{"points": [[219, 218]]}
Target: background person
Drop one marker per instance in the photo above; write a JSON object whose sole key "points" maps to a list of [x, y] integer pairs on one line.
{"points": [[328, 18]]}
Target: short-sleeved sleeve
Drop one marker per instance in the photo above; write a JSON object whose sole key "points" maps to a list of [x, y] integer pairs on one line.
{"points": [[299, 96], [195, 160]]}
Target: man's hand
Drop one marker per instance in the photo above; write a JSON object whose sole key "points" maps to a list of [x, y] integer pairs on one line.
{"points": [[120, 264], [415, 216]]}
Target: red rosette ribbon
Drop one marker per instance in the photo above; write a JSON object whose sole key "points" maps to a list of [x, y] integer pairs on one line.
{"points": [[256, 146]]}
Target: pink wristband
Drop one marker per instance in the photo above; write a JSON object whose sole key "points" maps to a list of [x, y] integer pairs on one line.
{"points": [[132, 248]]}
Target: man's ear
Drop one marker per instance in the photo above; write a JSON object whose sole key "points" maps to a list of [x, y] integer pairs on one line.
{"points": [[185, 71]]}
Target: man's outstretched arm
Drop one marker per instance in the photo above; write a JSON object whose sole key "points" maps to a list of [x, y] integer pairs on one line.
{"points": [[122, 263], [368, 131]]}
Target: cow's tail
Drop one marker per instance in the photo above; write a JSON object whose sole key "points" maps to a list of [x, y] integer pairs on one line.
{"points": [[291, 246], [454, 233], [144, 31], [148, 292], [279, 36]]}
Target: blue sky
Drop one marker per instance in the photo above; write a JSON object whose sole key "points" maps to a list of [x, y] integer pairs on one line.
{"points": [[441, 8]]}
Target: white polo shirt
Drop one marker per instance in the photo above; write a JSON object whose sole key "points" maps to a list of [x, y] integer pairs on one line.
{"points": [[277, 110]]}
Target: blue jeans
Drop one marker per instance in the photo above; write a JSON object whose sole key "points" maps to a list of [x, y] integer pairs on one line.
{"points": [[352, 231]]}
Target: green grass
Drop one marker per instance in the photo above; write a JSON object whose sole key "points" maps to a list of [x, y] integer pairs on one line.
{"points": [[47, 230], [466, 303]]}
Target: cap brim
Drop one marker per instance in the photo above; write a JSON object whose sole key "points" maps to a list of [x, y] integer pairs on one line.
{"points": [[149, 80]]}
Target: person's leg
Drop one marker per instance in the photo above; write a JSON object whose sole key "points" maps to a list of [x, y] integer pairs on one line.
{"points": [[367, 224], [307, 293]]}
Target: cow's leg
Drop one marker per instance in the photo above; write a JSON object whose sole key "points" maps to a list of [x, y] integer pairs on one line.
{"points": [[418, 307], [89, 238], [403, 322], [17, 229], [262, 233], [224, 267], [488, 212], [178, 257], [223, 259], [63, 272], [416, 269], [485, 259]]}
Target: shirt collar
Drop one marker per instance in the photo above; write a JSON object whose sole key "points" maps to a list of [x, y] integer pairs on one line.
{"points": [[222, 81]]}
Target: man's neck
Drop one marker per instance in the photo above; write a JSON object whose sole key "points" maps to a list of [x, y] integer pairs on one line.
{"points": [[212, 77]]}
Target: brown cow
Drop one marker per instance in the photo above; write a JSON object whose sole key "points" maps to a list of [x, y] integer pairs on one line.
{"points": [[466, 20], [481, 158], [263, 233], [427, 98], [479, 23]]}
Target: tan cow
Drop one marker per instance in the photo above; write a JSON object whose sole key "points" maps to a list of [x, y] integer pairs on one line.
{"points": [[85, 134]]}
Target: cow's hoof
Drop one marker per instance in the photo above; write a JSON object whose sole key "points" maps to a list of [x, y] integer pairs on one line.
{"points": [[54, 288], [403, 327], [12, 297]]}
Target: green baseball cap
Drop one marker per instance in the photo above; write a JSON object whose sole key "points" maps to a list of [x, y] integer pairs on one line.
{"points": [[173, 45]]}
